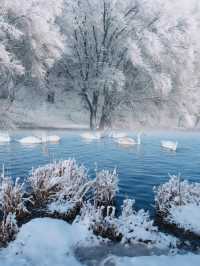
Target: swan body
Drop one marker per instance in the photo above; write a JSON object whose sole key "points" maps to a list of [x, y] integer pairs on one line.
{"points": [[51, 139], [170, 145], [4, 137], [92, 135], [129, 141], [117, 135], [30, 140], [126, 141]]}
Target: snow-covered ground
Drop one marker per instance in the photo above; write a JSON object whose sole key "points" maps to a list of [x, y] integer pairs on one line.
{"points": [[186, 217], [50, 242]]}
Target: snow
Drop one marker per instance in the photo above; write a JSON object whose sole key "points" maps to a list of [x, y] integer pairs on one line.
{"points": [[60, 206], [180, 201], [186, 217], [178, 260], [43, 242], [50, 242]]}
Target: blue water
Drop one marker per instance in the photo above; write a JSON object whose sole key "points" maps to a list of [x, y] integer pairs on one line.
{"points": [[140, 168]]}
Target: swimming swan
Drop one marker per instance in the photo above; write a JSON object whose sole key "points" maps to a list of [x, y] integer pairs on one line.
{"points": [[170, 145], [117, 135], [4, 137], [92, 135], [30, 140], [130, 141]]}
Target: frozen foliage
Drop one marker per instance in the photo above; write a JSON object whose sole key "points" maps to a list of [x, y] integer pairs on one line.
{"points": [[138, 227], [34, 23], [130, 227], [176, 193], [178, 202], [106, 187], [8, 228], [61, 180], [66, 181], [12, 199]]}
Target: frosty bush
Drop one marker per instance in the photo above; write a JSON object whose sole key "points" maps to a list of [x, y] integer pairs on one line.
{"points": [[176, 193], [178, 205], [129, 228], [8, 229], [106, 187], [12, 198], [60, 180]]}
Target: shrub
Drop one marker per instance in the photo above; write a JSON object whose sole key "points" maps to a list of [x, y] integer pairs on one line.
{"points": [[12, 199]]}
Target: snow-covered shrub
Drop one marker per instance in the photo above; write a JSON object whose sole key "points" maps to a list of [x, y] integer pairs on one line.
{"points": [[60, 180], [106, 187], [12, 199], [129, 228], [178, 203], [176, 193], [8, 228], [136, 226]]}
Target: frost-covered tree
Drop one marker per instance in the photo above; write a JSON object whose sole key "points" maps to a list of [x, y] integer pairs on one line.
{"points": [[30, 42], [97, 46]]}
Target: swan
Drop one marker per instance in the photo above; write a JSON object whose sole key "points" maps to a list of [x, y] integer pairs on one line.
{"points": [[117, 135], [4, 137], [51, 139], [92, 135], [129, 141], [170, 145], [30, 140]]}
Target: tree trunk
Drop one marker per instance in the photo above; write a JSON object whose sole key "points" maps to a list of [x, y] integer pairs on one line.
{"points": [[105, 120], [92, 120]]}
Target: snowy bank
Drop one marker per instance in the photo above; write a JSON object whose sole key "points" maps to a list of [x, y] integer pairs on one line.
{"points": [[50, 242], [178, 260], [44, 242], [178, 204]]}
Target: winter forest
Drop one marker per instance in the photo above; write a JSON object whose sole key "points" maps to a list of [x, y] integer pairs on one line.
{"points": [[99, 132], [99, 63]]}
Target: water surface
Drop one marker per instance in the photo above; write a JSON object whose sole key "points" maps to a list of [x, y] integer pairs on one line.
{"points": [[140, 168]]}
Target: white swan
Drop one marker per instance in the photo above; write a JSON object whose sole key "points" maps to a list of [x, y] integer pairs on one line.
{"points": [[170, 145], [4, 137], [130, 141], [51, 139], [117, 135], [30, 140], [92, 135]]}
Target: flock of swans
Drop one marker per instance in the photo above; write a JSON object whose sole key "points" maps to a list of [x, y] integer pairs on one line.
{"points": [[119, 137], [123, 139], [5, 138]]}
